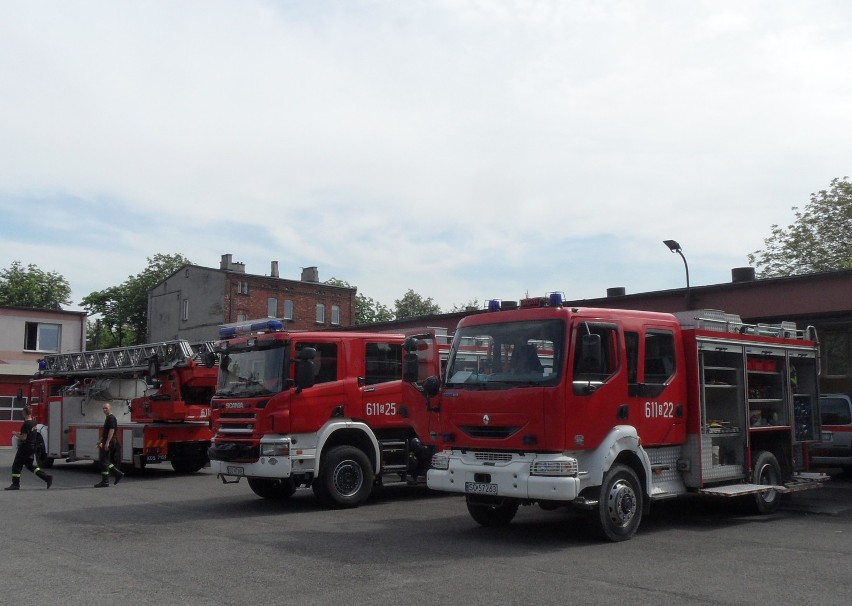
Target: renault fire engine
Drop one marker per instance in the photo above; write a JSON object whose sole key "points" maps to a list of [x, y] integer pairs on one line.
{"points": [[610, 410], [336, 411], [160, 395]]}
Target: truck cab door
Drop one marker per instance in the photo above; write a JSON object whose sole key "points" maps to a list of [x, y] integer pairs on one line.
{"points": [[598, 382], [657, 385], [381, 383]]}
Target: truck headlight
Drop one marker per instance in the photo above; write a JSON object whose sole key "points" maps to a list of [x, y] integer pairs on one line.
{"points": [[440, 460], [275, 449], [563, 467]]}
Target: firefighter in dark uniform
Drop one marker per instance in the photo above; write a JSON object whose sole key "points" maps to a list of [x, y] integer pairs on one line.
{"points": [[107, 447], [26, 452]]}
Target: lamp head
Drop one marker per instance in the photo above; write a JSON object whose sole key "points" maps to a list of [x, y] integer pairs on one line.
{"points": [[673, 245]]}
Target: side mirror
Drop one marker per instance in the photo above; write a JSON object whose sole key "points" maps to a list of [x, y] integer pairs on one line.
{"points": [[410, 367], [431, 386], [305, 376]]}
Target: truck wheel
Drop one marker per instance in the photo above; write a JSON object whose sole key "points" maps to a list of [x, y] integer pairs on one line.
{"points": [[766, 470], [188, 465], [273, 489], [345, 478], [494, 515], [620, 504], [42, 460]]}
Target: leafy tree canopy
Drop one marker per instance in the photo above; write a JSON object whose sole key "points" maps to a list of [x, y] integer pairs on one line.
{"points": [[123, 309], [472, 305], [367, 310], [820, 239], [32, 287], [412, 305]]}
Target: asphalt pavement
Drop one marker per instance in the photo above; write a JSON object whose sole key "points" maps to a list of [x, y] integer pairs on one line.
{"points": [[161, 537]]}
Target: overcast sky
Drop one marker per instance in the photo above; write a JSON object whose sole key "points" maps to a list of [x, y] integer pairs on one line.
{"points": [[465, 149]]}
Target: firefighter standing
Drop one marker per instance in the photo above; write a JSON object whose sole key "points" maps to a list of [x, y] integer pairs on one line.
{"points": [[26, 452], [106, 448]]}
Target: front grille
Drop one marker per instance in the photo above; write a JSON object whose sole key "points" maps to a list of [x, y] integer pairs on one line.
{"points": [[237, 422], [236, 428], [489, 433], [496, 457]]}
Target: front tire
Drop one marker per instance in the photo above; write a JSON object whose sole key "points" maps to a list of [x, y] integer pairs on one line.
{"points": [[620, 504], [345, 478], [495, 515], [766, 471], [277, 490]]}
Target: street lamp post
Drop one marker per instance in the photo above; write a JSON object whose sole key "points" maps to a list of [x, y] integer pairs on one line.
{"points": [[675, 248]]}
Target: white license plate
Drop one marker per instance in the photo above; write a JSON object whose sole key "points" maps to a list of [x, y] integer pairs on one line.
{"points": [[480, 488], [236, 471]]}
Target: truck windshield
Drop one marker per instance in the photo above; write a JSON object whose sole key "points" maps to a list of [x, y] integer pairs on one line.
{"points": [[507, 354], [253, 371]]}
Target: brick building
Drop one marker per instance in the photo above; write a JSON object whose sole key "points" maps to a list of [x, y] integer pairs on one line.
{"points": [[194, 301]]}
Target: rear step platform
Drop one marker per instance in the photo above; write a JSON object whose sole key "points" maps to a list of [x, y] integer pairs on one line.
{"points": [[799, 482]]}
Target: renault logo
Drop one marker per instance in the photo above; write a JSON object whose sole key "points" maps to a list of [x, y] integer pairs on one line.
{"points": [[486, 419]]}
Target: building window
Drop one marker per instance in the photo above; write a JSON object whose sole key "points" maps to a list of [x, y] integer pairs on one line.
{"points": [[184, 314], [288, 310], [272, 307], [242, 288], [42, 337], [11, 408], [242, 317], [320, 313], [335, 315]]}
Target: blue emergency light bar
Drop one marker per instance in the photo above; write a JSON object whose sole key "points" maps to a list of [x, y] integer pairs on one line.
{"points": [[229, 332], [553, 299]]}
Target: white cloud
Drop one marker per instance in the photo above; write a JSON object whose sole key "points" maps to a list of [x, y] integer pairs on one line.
{"points": [[451, 147]]}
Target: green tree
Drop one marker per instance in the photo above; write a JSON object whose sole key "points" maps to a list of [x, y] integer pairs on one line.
{"points": [[32, 287], [412, 305], [819, 240], [367, 310], [123, 309], [472, 305]]}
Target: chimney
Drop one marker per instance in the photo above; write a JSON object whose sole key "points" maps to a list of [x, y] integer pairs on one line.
{"points": [[274, 270], [742, 274], [616, 291], [228, 265], [310, 274]]}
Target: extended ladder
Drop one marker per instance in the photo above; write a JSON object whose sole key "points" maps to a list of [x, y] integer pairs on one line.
{"points": [[134, 358]]}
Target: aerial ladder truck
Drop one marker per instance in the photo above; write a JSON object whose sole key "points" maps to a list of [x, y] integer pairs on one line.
{"points": [[160, 394]]}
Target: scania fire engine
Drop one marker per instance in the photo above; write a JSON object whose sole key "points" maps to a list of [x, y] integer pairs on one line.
{"points": [[336, 411], [160, 395], [610, 410]]}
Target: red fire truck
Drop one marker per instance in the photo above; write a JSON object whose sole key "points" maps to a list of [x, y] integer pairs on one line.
{"points": [[160, 395], [610, 410], [336, 411]]}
